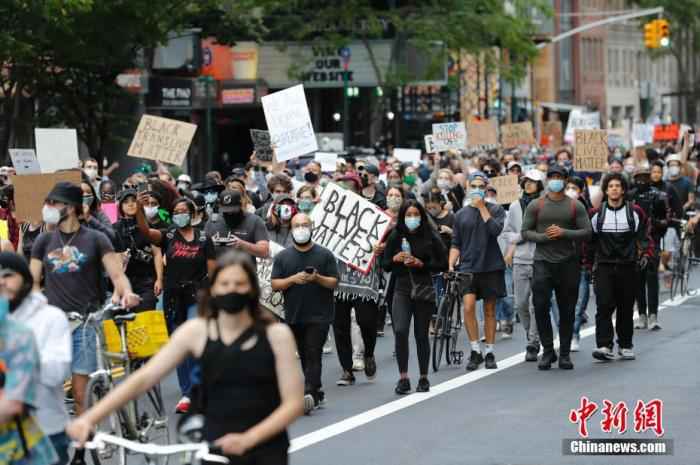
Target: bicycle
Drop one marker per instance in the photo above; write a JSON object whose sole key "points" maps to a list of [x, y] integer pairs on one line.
{"points": [[447, 323], [144, 419], [680, 274]]}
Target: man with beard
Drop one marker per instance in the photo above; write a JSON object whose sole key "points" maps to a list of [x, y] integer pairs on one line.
{"points": [[233, 227]]}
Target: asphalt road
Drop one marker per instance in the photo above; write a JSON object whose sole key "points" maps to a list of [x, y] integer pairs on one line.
{"points": [[514, 415]]}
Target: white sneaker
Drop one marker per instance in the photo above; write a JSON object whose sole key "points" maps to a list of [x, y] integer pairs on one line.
{"points": [[653, 323], [309, 404], [574, 345], [604, 354], [626, 354], [641, 322], [358, 365], [327, 348]]}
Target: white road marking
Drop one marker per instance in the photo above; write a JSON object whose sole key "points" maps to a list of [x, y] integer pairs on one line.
{"points": [[376, 413]]}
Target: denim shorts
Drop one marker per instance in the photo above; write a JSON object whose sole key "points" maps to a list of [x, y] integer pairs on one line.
{"points": [[84, 350]]}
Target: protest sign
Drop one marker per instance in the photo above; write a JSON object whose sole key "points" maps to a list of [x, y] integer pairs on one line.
{"points": [[261, 144], [162, 139], [411, 156], [448, 136], [327, 160], [480, 133], [330, 141], [354, 284], [552, 135], [642, 134], [507, 188], [24, 161], [617, 138], [429, 144], [4, 230], [580, 120], [513, 135], [271, 300], [31, 191], [590, 150], [289, 123], [56, 149], [110, 209], [666, 132], [349, 226]]}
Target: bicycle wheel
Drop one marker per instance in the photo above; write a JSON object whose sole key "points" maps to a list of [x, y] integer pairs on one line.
{"points": [[455, 331], [440, 329], [679, 268], [111, 424], [151, 419]]}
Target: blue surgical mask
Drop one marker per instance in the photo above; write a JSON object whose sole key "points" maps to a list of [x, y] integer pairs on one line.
{"points": [[306, 205], [412, 222], [477, 193], [556, 185], [181, 220]]}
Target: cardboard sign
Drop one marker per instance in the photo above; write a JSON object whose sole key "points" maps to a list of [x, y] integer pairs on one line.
{"points": [[411, 156], [327, 160], [330, 141], [513, 135], [31, 191], [57, 149], [482, 133], [289, 123], [271, 300], [617, 138], [580, 120], [590, 150], [162, 139], [24, 161], [349, 226], [642, 134], [552, 134], [448, 136], [261, 144], [507, 188], [666, 132], [429, 144]]}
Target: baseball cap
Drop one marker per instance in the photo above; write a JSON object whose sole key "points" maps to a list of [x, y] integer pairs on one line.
{"points": [[556, 169], [514, 163], [534, 175], [230, 202], [479, 174], [66, 192], [372, 169], [184, 178]]}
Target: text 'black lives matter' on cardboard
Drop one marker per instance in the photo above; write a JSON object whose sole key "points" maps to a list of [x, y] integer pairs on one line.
{"points": [[162, 139], [590, 150]]}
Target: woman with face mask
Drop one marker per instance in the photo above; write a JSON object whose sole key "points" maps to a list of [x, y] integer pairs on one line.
{"points": [[306, 199], [413, 253], [246, 360], [280, 230]]}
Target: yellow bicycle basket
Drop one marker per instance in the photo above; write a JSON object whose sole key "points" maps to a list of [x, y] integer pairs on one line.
{"points": [[144, 336]]}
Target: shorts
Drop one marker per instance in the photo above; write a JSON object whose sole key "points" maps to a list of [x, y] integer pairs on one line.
{"points": [[486, 285], [84, 350]]}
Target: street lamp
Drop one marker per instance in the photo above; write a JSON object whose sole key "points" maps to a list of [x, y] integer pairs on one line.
{"points": [[336, 117], [208, 81]]}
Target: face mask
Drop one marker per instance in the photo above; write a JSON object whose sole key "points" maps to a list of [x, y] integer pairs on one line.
{"points": [[444, 184], [231, 303], [150, 212], [409, 179], [182, 220], [301, 235], [476, 193], [310, 177], [210, 197], [394, 203], [88, 199], [629, 169], [108, 196], [91, 173], [674, 171], [183, 186], [556, 185], [284, 212], [434, 212], [365, 181], [306, 205], [51, 215], [234, 218], [276, 197], [490, 200], [572, 194], [412, 222]]}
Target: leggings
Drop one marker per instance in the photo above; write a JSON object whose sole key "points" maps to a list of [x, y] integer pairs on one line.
{"points": [[403, 309], [366, 316]]}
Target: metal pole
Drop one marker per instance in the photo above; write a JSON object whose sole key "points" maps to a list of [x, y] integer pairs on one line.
{"points": [[346, 111]]}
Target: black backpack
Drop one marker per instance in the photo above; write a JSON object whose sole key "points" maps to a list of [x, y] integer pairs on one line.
{"points": [[604, 208]]}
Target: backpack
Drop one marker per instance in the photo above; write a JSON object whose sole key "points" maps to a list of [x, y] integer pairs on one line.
{"points": [[629, 210]]}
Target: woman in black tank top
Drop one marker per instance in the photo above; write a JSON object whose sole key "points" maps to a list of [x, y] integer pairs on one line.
{"points": [[251, 388]]}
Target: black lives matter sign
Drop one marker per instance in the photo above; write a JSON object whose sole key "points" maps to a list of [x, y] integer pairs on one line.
{"points": [[590, 150], [349, 226]]}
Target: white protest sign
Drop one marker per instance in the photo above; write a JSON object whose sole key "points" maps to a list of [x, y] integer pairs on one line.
{"points": [[580, 120], [349, 226], [642, 134], [162, 139], [289, 123], [56, 149], [448, 136], [25, 161], [271, 300], [327, 160], [411, 156], [429, 144]]}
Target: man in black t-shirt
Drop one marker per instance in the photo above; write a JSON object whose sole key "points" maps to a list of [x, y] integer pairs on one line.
{"points": [[307, 273]]}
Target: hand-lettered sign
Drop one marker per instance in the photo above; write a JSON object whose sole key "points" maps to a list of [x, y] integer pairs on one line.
{"points": [[448, 136], [289, 123], [590, 150], [162, 139]]}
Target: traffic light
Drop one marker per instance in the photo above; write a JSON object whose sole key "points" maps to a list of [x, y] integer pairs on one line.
{"points": [[663, 32], [651, 36]]}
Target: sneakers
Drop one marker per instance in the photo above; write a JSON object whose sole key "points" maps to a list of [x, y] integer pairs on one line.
{"points": [[358, 364], [309, 404], [548, 357], [475, 359], [531, 353], [370, 368], [347, 379], [423, 385], [490, 361], [380, 333], [641, 322], [183, 405], [403, 387], [565, 362], [78, 458], [575, 345], [653, 324], [626, 354], [507, 328], [320, 400], [604, 354]]}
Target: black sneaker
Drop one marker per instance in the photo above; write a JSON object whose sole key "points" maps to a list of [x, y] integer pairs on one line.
{"points": [[475, 359], [320, 400], [531, 353], [490, 361], [403, 387], [565, 362], [370, 368], [548, 357], [423, 385], [347, 379], [78, 458]]}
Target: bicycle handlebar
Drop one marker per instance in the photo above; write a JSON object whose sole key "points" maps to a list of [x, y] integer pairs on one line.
{"points": [[104, 313]]}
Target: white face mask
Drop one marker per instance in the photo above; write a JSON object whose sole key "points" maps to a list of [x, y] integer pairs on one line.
{"points": [[50, 215], [572, 194], [150, 212], [629, 169], [444, 184], [91, 173], [301, 235], [674, 170]]}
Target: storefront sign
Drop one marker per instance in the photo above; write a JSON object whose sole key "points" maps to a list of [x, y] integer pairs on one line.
{"points": [[237, 96]]}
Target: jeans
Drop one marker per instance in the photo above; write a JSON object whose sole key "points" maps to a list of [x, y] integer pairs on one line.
{"points": [[584, 293], [615, 288], [504, 305], [60, 443], [563, 279], [84, 350], [366, 316], [648, 292], [522, 291], [403, 309], [310, 338], [177, 303]]}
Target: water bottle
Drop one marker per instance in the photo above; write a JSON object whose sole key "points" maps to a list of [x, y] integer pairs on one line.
{"points": [[405, 246]]}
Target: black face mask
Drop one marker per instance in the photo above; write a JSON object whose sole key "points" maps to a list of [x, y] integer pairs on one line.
{"points": [[642, 186], [231, 303], [310, 177], [365, 181], [233, 219]]}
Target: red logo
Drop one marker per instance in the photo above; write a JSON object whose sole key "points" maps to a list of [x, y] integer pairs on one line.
{"points": [[647, 416]]}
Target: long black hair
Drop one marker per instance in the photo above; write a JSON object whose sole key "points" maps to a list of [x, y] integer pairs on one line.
{"points": [[424, 228]]}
